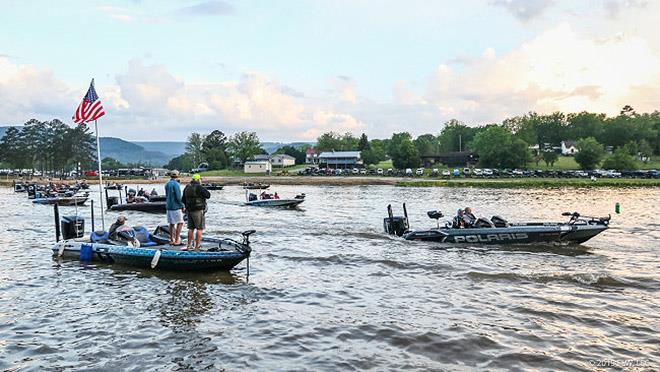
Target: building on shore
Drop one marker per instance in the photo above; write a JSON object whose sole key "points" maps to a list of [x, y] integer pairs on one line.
{"points": [[282, 160], [340, 159], [569, 148], [259, 166], [311, 156]]}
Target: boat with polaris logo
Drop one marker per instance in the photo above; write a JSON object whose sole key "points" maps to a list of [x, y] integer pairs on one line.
{"points": [[578, 229], [137, 246], [272, 200]]}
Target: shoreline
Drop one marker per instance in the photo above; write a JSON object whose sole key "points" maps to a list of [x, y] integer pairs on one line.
{"points": [[391, 181]]}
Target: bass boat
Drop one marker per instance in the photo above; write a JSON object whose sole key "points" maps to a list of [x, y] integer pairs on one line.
{"points": [[269, 201], [138, 247], [578, 229]]}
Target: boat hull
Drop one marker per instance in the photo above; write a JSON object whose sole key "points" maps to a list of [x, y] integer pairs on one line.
{"points": [[170, 258], [149, 207], [523, 234], [61, 201], [277, 203]]}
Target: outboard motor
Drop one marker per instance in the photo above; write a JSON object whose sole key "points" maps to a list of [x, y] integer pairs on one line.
{"points": [[112, 200], [395, 225], [72, 227], [499, 221]]}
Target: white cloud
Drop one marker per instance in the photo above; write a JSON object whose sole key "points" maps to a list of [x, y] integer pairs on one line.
{"points": [[557, 70], [524, 10]]}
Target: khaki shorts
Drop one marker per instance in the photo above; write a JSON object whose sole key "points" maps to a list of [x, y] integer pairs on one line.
{"points": [[196, 220]]}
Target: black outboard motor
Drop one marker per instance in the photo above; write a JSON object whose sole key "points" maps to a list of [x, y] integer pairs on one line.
{"points": [[72, 227], [112, 200], [395, 225], [499, 221]]}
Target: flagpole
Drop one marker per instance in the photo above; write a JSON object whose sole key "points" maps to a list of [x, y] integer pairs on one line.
{"points": [[98, 156]]}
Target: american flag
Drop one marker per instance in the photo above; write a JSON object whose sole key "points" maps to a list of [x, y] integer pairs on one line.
{"points": [[90, 108]]}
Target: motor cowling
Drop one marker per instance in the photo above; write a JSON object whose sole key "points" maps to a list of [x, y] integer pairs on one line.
{"points": [[395, 225], [72, 227], [112, 200]]}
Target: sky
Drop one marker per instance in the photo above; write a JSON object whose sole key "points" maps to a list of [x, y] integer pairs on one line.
{"points": [[292, 70]]}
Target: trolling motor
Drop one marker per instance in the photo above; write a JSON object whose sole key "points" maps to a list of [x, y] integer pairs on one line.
{"points": [[396, 225], [575, 216]]}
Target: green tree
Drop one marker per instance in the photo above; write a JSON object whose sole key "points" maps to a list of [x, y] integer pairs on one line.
{"points": [[498, 148], [455, 136], [363, 144], [111, 163], [182, 162], [195, 147], [244, 145], [585, 124], [523, 127], [292, 151], [590, 153], [328, 141], [550, 158], [427, 145], [403, 152], [214, 150], [620, 160]]}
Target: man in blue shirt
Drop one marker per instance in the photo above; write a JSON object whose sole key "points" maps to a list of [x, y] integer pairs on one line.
{"points": [[174, 207]]}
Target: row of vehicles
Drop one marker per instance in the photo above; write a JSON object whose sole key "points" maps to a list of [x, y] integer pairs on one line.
{"points": [[479, 173]]}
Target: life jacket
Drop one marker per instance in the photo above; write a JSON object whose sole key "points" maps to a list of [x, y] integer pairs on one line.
{"points": [[194, 198]]}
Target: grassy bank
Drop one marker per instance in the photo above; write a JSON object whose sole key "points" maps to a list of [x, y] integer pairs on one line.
{"points": [[533, 183]]}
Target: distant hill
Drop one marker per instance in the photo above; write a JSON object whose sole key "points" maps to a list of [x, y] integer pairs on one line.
{"points": [[271, 147], [156, 153], [169, 148], [130, 152]]}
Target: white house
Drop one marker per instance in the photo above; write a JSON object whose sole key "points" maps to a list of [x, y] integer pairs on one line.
{"points": [[311, 156], [257, 167], [568, 148], [282, 160]]}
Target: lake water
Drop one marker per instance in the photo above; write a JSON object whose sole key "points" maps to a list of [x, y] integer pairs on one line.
{"points": [[329, 291]]}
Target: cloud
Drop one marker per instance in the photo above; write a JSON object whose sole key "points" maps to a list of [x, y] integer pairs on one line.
{"points": [[614, 7], [20, 101], [524, 10], [345, 89], [208, 8], [118, 13], [557, 70]]}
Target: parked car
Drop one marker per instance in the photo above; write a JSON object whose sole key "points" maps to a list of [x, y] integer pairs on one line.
{"points": [[478, 172], [419, 172], [363, 171], [435, 172], [390, 171], [356, 171], [409, 172], [446, 173], [89, 173], [488, 172], [467, 172], [379, 171]]}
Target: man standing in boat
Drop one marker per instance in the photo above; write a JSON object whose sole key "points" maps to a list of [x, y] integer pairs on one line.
{"points": [[174, 208], [194, 199]]}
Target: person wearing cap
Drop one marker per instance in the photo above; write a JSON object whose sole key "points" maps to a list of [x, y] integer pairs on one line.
{"points": [[194, 199], [175, 207], [115, 226]]}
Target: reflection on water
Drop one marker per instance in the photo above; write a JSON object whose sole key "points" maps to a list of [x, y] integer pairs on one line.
{"points": [[329, 291]]}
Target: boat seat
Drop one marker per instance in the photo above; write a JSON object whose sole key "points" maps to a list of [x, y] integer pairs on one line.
{"points": [[143, 236], [482, 222], [499, 221], [99, 237]]}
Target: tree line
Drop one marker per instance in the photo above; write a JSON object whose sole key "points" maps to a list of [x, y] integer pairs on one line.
{"points": [[630, 135], [51, 147]]}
